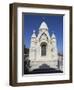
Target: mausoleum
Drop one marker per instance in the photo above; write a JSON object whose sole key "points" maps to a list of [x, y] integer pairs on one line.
{"points": [[43, 48]]}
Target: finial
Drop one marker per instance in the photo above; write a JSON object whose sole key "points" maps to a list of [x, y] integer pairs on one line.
{"points": [[33, 31], [33, 35], [43, 18], [53, 35]]}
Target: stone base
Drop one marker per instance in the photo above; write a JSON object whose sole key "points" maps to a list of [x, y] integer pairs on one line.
{"points": [[43, 64]]}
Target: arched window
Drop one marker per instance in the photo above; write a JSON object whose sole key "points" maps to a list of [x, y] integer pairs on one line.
{"points": [[43, 50]]}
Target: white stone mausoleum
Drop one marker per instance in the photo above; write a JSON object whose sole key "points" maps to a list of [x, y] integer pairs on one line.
{"points": [[43, 49]]}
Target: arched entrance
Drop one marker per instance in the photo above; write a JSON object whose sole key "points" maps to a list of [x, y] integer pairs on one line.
{"points": [[43, 49]]}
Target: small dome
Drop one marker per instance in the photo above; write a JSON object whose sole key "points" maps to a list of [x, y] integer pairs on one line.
{"points": [[53, 36], [43, 25], [33, 35]]}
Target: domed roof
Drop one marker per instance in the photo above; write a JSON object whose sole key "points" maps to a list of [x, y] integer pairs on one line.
{"points": [[33, 35], [53, 36], [43, 25]]}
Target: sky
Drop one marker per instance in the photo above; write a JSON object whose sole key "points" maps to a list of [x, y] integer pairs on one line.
{"points": [[33, 21]]}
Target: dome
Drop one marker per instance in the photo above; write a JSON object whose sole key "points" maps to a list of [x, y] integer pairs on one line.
{"points": [[33, 35], [43, 25], [53, 36]]}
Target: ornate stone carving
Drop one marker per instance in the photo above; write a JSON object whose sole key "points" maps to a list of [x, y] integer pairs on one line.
{"points": [[45, 54]]}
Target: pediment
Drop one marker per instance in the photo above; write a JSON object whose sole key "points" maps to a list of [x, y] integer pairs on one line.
{"points": [[43, 37]]}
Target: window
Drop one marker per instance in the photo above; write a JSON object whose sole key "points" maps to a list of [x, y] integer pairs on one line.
{"points": [[43, 50], [52, 49]]}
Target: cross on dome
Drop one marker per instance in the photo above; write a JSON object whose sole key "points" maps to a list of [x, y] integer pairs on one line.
{"points": [[43, 18], [53, 36], [33, 35]]}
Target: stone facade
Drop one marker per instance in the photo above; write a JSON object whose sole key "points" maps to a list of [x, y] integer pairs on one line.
{"points": [[43, 49]]}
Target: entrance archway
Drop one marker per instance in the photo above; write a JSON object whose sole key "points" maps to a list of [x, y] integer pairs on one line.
{"points": [[43, 49]]}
